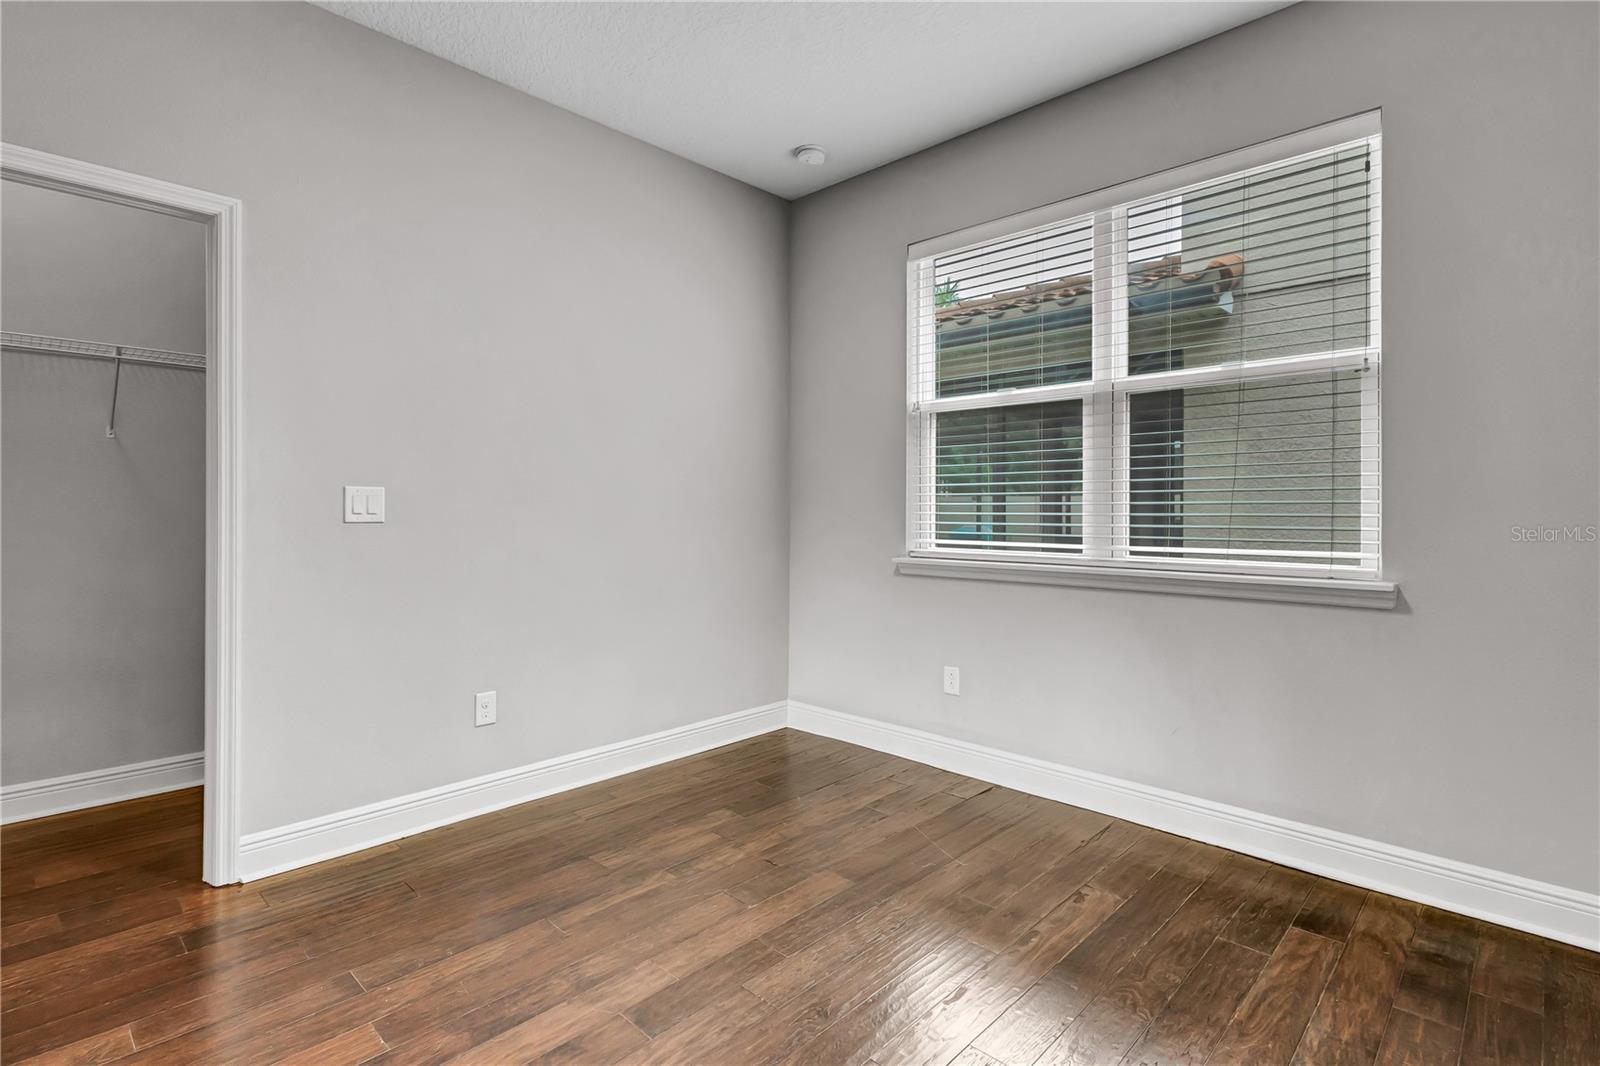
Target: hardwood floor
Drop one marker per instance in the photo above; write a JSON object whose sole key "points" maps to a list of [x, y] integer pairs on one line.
{"points": [[787, 899]]}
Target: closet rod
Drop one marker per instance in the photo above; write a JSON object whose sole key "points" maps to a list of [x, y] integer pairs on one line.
{"points": [[39, 345]]}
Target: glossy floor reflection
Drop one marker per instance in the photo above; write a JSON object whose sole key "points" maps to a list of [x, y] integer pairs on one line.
{"points": [[785, 899]]}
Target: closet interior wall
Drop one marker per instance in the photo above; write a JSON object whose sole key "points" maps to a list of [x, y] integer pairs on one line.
{"points": [[103, 553]]}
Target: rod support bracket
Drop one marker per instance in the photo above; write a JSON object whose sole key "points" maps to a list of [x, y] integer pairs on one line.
{"points": [[116, 385]]}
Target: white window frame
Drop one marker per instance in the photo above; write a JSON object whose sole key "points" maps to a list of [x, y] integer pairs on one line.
{"points": [[1106, 559]]}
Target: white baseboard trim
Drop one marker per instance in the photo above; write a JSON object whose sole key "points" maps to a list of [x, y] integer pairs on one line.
{"points": [[1505, 899], [287, 847], [73, 792]]}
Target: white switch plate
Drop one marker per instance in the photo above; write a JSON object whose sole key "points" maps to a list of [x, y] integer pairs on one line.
{"points": [[952, 680], [485, 706], [363, 503]]}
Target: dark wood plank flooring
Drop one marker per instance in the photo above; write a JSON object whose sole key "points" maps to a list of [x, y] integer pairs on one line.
{"points": [[788, 899]]}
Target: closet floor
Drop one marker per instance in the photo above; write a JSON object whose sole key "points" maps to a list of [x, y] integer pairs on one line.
{"points": [[784, 899]]}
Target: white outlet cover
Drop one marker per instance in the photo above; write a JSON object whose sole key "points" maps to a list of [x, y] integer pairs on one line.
{"points": [[485, 708], [952, 680]]}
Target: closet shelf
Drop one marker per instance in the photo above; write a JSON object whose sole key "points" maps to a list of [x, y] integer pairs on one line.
{"points": [[39, 345]]}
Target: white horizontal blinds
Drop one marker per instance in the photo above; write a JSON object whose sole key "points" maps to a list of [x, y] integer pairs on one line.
{"points": [[1014, 313], [1295, 238], [1007, 320], [1266, 471], [1259, 317], [1188, 380], [1010, 478]]}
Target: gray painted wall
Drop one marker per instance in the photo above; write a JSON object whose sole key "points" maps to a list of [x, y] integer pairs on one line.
{"points": [[1464, 723], [102, 542], [562, 351], [89, 270]]}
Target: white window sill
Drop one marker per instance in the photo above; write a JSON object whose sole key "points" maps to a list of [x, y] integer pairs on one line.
{"points": [[1381, 595]]}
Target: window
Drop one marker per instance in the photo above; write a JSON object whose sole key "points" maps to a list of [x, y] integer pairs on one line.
{"points": [[1180, 374]]}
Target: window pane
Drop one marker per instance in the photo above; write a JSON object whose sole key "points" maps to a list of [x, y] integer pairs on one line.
{"points": [[1253, 267], [1252, 471], [1155, 465], [1016, 312], [1010, 477]]}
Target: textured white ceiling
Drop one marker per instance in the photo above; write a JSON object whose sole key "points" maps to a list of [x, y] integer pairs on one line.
{"points": [[737, 86]]}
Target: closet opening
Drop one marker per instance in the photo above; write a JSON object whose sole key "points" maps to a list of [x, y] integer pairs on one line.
{"points": [[116, 519]]}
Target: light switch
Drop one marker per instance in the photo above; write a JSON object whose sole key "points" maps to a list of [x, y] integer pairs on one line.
{"points": [[363, 503]]}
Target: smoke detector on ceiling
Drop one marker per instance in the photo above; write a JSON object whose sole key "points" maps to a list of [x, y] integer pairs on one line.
{"points": [[812, 155]]}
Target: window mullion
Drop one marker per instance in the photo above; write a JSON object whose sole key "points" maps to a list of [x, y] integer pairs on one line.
{"points": [[983, 401], [1231, 373], [1104, 432]]}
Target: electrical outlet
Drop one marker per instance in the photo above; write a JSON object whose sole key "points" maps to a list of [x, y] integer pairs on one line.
{"points": [[485, 708], [952, 681]]}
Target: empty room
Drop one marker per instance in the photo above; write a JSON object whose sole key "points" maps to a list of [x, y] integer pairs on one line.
{"points": [[725, 534]]}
